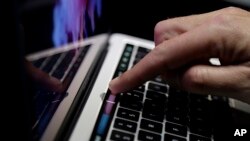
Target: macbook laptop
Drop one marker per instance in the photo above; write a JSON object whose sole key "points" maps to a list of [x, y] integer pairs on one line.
{"points": [[87, 111], [152, 112]]}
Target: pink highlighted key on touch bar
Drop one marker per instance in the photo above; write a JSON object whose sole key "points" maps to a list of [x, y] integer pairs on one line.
{"points": [[109, 104], [111, 98]]}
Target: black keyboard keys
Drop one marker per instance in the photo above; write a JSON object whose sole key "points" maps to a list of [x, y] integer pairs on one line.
{"points": [[120, 136], [167, 113], [136, 95], [147, 136], [176, 129], [143, 50], [151, 126], [175, 117], [128, 114], [158, 88], [169, 137], [193, 137], [140, 88], [125, 125], [131, 103], [153, 110], [156, 96]]}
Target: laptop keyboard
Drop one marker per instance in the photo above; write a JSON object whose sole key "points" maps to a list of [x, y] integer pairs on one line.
{"points": [[154, 111], [63, 66]]}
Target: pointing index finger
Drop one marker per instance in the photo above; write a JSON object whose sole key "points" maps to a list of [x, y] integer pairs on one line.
{"points": [[169, 55]]}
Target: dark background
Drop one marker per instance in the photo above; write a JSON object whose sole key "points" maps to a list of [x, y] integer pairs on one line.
{"points": [[133, 17]]}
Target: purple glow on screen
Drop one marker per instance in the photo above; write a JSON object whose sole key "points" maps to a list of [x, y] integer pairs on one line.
{"points": [[70, 23]]}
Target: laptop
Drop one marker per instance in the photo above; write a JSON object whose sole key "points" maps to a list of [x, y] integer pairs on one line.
{"points": [[152, 112], [87, 111]]}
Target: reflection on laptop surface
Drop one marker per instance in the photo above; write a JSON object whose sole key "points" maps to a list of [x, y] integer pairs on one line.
{"points": [[72, 64]]}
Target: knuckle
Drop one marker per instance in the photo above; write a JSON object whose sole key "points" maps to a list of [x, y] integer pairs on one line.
{"points": [[221, 25], [221, 19], [225, 29], [163, 30], [159, 28], [232, 10]]}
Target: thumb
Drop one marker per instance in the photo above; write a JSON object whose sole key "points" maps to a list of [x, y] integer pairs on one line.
{"points": [[231, 81]]}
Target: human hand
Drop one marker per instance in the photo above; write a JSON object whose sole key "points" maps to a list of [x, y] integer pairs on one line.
{"points": [[183, 47], [43, 79]]}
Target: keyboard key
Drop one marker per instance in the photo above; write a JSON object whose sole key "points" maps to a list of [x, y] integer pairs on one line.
{"points": [[197, 138], [178, 93], [201, 130], [153, 110], [199, 109], [154, 105], [177, 108], [135, 94], [156, 96], [140, 88], [147, 136], [153, 115], [128, 114], [159, 80], [151, 126], [158, 88], [179, 118], [125, 125], [173, 138], [199, 120], [131, 103], [198, 99], [120, 136], [143, 50], [177, 104], [176, 129]]}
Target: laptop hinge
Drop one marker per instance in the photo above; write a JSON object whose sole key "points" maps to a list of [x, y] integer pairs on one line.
{"points": [[81, 97]]}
